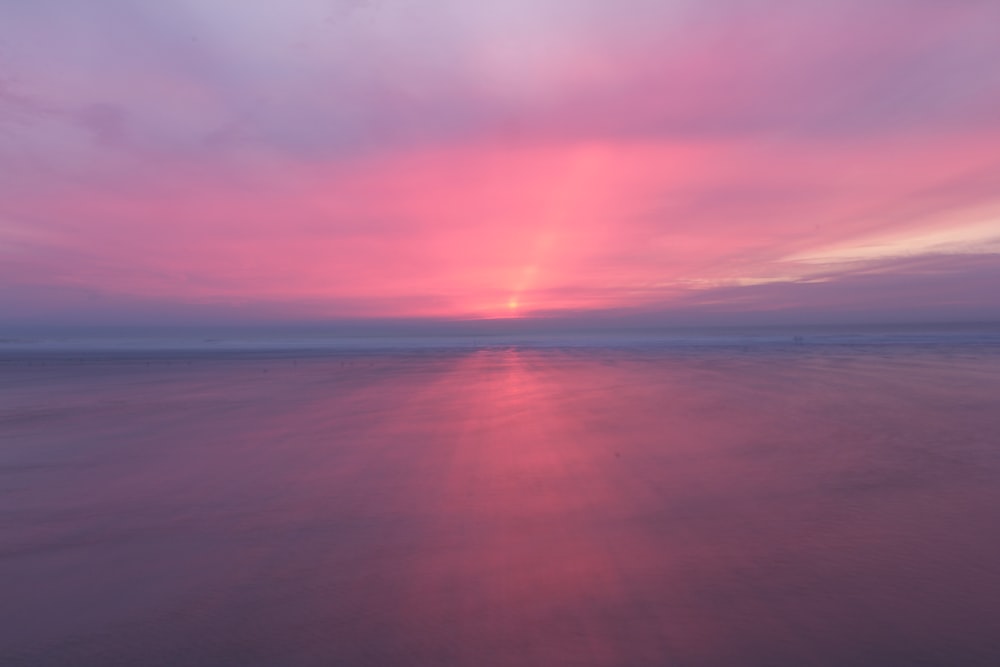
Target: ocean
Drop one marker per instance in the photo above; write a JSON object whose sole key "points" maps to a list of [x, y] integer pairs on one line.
{"points": [[751, 500]]}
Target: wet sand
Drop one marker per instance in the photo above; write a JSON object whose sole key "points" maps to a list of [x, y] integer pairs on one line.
{"points": [[763, 506]]}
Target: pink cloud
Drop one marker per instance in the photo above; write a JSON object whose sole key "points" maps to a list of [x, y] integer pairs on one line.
{"points": [[531, 158]]}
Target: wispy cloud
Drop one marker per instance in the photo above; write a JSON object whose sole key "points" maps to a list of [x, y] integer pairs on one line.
{"points": [[445, 158]]}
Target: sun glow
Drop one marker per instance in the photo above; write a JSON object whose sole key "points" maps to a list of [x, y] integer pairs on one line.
{"points": [[564, 214]]}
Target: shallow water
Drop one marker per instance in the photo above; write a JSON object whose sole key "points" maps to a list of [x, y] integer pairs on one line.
{"points": [[802, 505]]}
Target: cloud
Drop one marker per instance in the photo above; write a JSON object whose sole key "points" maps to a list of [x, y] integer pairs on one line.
{"points": [[446, 158]]}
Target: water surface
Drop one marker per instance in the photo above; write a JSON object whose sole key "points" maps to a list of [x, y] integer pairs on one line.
{"points": [[754, 506]]}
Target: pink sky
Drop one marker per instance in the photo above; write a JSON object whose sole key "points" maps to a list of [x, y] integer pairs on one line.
{"points": [[320, 160]]}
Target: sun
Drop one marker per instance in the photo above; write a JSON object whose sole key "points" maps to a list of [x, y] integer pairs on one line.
{"points": [[513, 304]]}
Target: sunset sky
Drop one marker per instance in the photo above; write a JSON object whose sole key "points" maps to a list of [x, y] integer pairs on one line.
{"points": [[316, 160]]}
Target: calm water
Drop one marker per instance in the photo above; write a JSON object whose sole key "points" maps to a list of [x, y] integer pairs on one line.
{"points": [[768, 506]]}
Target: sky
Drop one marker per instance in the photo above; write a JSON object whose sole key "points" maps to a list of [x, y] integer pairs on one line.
{"points": [[653, 160]]}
